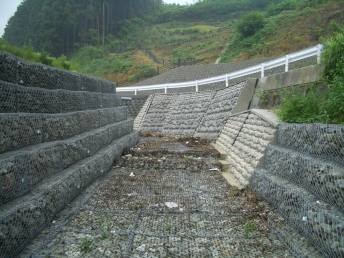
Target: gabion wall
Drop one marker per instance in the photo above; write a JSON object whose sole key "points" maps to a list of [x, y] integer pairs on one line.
{"points": [[23, 169], [21, 99], [315, 219], [320, 140], [59, 132], [21, 223], [21, 72], [20, 130], [321, 177]]}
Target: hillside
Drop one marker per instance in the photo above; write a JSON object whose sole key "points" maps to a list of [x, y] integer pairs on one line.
{"points": [[187, 35]]}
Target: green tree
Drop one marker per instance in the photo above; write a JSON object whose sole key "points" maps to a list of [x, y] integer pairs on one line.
{"points": [[250, 23]]}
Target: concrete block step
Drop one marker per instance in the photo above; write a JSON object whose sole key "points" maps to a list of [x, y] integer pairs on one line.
{"points": [[21, 99], [23, 218], [225, 164], [21, 130], [320, 140], [325, 179], [320, 222], [22, 169]]}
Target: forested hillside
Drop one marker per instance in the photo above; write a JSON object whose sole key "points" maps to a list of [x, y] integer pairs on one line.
{"points": [[62, 26]]}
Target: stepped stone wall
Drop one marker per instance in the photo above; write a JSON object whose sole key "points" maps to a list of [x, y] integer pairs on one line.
{"points": [[134, 106], [59, 132]]}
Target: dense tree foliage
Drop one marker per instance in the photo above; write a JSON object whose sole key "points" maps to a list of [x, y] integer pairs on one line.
{"points": [[250, 23], [58, 26]]}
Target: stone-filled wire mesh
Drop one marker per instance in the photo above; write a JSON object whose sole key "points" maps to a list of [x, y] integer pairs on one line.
{"points": [[21, 72], [318, 221], [321, 140], [321, 177]]}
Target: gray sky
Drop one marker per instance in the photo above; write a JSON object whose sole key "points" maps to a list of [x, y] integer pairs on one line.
{"points": [[8, 8]]}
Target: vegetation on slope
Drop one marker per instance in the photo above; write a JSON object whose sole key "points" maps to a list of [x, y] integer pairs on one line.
{"points": [[288, 27], [314, 105]]}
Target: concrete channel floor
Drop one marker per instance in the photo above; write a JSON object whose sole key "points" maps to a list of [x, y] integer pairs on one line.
{"points": [[165, 198]]}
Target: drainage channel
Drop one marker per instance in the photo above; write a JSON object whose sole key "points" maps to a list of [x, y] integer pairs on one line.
{"points": [[159, 202]]}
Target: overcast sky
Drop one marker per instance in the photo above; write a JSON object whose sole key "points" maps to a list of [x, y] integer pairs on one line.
{"points": [[8, 8]]}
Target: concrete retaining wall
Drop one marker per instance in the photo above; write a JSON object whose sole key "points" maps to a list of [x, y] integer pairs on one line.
{"points": [[200, 114], [244, 140], [186, 113]]}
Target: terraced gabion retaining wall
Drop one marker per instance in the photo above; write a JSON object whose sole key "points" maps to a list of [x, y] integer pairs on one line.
{"points": [[23, 169], [21, 222], [20, 99], [303, 177], [244, 138], [134, 106], [21, 72], [200, 114], [40, 128]]}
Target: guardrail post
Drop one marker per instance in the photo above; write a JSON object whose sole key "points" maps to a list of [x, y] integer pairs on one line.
{"points": [[135, 91], [319, 53], [286, 63], [166, 89], [196, 86], [226, 80], [262, 70]]}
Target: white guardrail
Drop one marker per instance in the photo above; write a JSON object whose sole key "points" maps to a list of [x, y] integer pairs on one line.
{"points": [[285, 60]]}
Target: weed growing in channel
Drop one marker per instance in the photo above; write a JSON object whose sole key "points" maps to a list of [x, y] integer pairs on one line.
{"points": [[86, 245]]}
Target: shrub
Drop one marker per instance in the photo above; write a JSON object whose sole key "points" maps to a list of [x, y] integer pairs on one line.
{"points": [[250, 23]]}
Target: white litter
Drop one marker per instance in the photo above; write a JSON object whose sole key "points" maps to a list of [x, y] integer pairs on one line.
{"points": [[214, 169], [141, 248], [171, 204], [181, 209], [132, 174]]}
